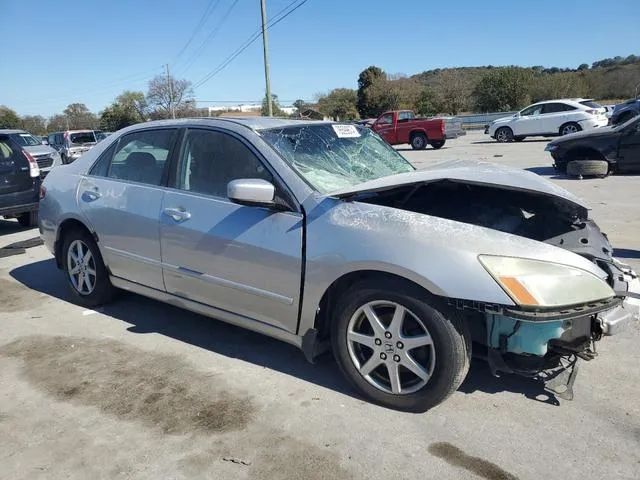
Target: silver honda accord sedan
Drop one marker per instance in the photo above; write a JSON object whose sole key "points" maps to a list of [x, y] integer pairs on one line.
{"points": [[322, 235]]}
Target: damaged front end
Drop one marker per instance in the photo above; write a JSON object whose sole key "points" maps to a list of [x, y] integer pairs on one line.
{"points": [[537, 341]]}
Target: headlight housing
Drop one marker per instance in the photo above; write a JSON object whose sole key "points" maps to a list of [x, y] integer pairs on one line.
{"points": [[550, 148], [535, 283]]}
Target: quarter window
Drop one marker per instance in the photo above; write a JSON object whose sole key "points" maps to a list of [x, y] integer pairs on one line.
{"points": [[211, 159]]}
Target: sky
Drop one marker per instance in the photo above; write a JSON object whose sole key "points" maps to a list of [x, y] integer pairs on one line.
{"points": [[67, 51]]}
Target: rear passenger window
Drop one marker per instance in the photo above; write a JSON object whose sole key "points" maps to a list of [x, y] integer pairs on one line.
{"points": [[141, 156]]}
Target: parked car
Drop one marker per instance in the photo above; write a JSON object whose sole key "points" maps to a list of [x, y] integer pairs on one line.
{"points": [[46, 157], [402, 126], [72, 144], [599, 152], [548, 119], [100, 135], [625, 111], [19, 182], [322, 235]]}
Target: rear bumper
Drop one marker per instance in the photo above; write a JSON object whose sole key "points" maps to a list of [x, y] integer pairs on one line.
{"points": [[593, 123]]}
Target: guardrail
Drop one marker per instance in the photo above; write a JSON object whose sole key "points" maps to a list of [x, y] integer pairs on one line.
{"points": [[479, 120]]}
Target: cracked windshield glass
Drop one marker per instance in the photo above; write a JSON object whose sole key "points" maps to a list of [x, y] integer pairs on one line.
{"points": [[331, 157]]}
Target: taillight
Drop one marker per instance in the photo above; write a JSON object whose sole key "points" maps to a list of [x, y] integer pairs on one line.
{"points": [[593, 112], [43, 192], [34, 170]]}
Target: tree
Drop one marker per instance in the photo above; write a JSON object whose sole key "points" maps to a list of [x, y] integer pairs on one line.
{"points": [[453, 89], [8, 118], [427, 103], [79, 116], [167, 94], [35, 124], [135, 101], [366, 80], [117, 116], [339, 104], [57, 123], [275, 107], [300, 105], [583, 66], [503, 89]]}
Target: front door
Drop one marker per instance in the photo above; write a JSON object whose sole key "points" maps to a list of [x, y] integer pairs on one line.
{"points": [[529, 122], [245, 260], [629, 151], [385, 128], [121, 197]]}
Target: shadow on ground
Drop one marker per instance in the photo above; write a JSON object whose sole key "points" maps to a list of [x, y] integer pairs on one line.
{"points": [[143, 315], [409, 149], [533, 140], [8, 227], [548, 172]]}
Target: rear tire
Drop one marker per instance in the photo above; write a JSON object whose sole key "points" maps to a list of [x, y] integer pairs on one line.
{"points": [[504, 135], [437, 145], [568, 128], [28, 219], [81, 258], [588, 168], [442, 363], [419, 141]]}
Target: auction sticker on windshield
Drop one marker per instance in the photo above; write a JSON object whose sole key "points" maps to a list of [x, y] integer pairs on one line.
{"points": [[346, 131]]}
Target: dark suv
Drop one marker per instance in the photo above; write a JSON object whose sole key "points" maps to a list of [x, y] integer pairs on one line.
{"points": [[19, 183], [625, 111]]}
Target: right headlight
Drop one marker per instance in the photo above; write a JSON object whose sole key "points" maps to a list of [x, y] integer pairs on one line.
{"points": [[535, 283]]}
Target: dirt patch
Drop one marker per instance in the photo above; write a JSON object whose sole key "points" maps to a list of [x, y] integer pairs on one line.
{"points": [[161, 391], [481, 467], [16, 297], [289, 458]]}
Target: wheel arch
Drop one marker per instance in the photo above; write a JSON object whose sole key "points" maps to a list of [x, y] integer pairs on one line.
{"points": [[67, 225], [417, 131], [584, 153], [316, 337]]}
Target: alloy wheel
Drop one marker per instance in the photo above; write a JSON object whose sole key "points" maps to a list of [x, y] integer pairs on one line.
{"points": [[390, 347], [569, 129], [81, 267]]}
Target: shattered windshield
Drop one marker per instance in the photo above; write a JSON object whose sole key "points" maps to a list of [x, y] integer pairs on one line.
{"points": [[334, 156]]}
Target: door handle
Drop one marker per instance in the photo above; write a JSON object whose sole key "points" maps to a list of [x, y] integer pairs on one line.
{"points": [[178, 214], [91, 195]]}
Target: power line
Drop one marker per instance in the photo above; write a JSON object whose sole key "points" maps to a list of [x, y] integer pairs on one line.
{"points": [[205, 16], [248, 43], [211, 36]]}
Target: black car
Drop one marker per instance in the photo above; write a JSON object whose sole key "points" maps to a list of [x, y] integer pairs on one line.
{"points": [[624, 112], [598, 151], [19, 183]]}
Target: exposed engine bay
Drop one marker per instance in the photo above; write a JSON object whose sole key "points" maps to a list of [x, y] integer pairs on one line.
{"points": [[548, 347]]}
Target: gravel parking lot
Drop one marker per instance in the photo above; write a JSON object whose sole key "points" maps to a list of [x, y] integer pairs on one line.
{"points": [[140, 389]]}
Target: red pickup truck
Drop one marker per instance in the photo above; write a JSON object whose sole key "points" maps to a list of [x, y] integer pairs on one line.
{"points": [[402, 126]]}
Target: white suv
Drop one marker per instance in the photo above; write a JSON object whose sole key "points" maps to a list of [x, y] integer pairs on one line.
{"points": [[549, 118]]}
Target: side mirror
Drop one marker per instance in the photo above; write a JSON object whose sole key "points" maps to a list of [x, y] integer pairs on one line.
{"points": [[253, 192]]}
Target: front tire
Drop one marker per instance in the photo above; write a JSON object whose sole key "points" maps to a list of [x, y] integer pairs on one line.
{"points": [[398, 349], [437, 145], [419, 141], [86, 273], [504, 135]]}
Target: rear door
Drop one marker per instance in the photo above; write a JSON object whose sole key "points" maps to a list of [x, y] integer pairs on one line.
{"points": [[245, 260], [554, 115], [629, 149], [121, 197], [14, 168]]}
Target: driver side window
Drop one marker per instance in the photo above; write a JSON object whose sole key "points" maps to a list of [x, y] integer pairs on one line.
{"points": [[533, 110], [386, 119], [210, 160]]}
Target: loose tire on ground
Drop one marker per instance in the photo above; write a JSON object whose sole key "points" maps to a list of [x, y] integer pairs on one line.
{"points": [[103, 291], [504, 135], [449, 336], [28, 219], [437, 145], [419, 141], [588, 168]]}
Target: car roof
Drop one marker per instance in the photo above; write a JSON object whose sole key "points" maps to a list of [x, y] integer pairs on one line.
{"points": [[574, 101], [9, 131], [253, 123]]}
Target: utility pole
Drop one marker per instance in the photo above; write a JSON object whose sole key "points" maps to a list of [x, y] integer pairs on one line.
{"points": [[171, 109], [266, 57]]}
